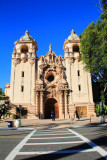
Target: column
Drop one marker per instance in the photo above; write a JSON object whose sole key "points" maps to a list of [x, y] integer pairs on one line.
{"points": [[66, 104], [36, 99], [61, 105], [41, 105]]}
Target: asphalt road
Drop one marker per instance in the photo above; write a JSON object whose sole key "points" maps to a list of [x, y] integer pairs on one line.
{"points": [[98, 135], [53, 144], [9, 139]]}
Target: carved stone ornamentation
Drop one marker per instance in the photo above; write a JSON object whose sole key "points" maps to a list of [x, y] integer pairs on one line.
{"points": [[31, 61], [51, 92], [16, 61]]}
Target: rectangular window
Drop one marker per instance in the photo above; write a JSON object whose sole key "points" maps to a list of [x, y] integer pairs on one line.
{"points": [[79, 87], [78, 72], [22, 73], [22, 88]]}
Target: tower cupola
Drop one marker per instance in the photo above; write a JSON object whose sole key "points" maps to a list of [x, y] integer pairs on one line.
{"points": [[25, 49], [71, 46]]}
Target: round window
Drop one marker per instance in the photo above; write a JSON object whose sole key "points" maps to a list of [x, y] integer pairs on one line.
{"points": [[50, 78]]}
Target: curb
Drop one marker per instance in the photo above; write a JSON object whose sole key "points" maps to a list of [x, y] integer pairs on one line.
{"points": [[91, 125], [17, 128]]}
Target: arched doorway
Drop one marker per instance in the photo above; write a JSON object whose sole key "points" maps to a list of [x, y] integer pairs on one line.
{"points": [[51, 105]]}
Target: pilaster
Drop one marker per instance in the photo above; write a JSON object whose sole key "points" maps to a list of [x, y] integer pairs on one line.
{"points": [[61, 115], [36, 99], [41, 105], [66, 104]]}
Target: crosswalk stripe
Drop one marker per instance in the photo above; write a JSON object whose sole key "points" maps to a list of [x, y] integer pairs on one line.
{"points": [[53, 130], [56, 152], [54, 137], [54, 143], [54, 134]]}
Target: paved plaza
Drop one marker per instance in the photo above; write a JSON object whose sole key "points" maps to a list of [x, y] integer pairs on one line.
{"points": [[58, 123]]}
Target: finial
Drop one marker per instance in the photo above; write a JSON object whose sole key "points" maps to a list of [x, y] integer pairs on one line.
{"points": [[26, 33], [50, 48], [72, 32]]}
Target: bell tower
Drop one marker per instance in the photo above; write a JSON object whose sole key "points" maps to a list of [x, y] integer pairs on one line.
{"points": [[71, 46], [23, 71], [79, 81]]}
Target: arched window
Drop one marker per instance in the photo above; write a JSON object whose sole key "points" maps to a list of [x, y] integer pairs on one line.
{"points": [[24, 49], [75, 48], [50, 57]]}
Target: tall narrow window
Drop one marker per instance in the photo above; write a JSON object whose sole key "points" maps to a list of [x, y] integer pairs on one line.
{"points": [[78, 72], [22, 73], [22, 88], [79, 87]]}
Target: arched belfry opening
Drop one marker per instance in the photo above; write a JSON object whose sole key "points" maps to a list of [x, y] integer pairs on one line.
{"points": [[24, 49], [51, 104], [75, 48]]}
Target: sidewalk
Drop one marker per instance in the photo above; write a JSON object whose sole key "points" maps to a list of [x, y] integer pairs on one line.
{"points": [[58, 123]]}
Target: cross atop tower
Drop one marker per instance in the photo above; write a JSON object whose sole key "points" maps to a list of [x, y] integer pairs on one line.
{"points": [[72, 32], [26, 33]]}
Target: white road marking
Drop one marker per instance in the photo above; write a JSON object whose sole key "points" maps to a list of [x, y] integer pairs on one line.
{"points": [[25, 128], [53, 130], [56, 152], [90, 143], [54, 137], [16, 150], [54, 143], [54, 134]]}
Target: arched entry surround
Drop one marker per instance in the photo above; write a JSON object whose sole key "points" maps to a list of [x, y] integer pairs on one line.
{"points": [[51, 104]]}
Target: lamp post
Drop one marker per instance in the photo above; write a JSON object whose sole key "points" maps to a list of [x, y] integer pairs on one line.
{"points": [[20, 107]]}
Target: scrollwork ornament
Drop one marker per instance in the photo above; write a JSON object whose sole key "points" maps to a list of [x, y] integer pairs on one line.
{"points": [[31, 61], [16, 61]]}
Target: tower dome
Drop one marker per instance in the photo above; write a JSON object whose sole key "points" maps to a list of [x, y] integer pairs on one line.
{"points": [[71, 46], [73, 36], [26, 37]]}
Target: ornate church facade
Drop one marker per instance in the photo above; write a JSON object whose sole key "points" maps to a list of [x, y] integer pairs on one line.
{"points": [[51, 82]]}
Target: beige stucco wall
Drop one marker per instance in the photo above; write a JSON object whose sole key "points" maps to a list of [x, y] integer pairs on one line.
{"points": [[7, 90], [85, 95], [28, 81]]}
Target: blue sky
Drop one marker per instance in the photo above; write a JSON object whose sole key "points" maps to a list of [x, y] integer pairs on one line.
{"points": [[48, 21]]}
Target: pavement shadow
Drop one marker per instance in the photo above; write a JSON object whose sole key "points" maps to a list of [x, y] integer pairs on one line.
{"points": [[53, 124]]}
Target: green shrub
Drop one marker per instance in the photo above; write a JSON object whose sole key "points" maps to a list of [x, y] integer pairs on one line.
{"points": [[100, 110], [105, 110], [8, 114]]}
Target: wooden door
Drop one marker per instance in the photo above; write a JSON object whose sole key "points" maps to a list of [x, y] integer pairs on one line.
{"points": [[56, 110], [78, 109], [82, 111]]}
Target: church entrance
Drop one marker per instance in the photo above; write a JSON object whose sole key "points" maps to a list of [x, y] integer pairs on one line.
{"points": [[51, 105]]}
